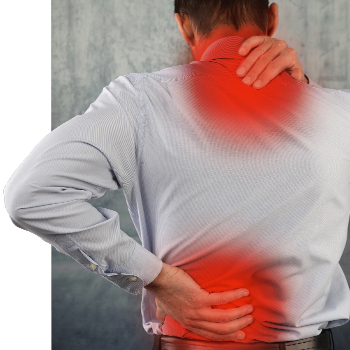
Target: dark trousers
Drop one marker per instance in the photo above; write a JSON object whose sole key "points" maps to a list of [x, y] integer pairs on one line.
{"points": [[323, 341]]}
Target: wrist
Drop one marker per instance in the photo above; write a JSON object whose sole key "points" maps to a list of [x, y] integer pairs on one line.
{"points": [[161, 279]]}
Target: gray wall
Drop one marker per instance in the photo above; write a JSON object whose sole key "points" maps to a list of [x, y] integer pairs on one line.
{"points": [[94, 42]]}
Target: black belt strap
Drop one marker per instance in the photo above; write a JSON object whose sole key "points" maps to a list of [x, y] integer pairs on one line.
{"points": [[319, 342]]}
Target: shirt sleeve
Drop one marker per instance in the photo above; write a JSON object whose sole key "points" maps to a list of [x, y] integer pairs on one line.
{"points": [[79, 160]]}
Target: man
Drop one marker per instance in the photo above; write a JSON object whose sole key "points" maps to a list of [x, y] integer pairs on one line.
{"points": [[189, 177]]}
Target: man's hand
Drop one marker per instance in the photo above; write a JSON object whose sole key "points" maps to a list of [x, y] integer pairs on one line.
{"points": [[180, 297], [269, 58]]}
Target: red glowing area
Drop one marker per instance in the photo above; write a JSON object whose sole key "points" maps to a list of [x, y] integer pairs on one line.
{"points": [[231, 115], [239, 267], [236, 114]]}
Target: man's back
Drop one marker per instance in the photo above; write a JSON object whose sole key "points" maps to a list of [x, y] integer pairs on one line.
{"points": [[245, 189], [240, 188]]}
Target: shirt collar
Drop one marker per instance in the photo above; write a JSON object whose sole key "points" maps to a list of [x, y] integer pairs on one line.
{"points": [[226, 47]]}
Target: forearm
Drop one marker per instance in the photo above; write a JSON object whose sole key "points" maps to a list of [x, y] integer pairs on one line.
{"points": [[101, 247], [167, 272]]}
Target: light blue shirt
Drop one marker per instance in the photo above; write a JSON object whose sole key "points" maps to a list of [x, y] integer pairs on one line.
{"points": [[284, 200]]}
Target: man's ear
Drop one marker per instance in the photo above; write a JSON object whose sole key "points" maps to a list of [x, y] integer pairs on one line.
{"points": [[273, 19], [185, 28]]}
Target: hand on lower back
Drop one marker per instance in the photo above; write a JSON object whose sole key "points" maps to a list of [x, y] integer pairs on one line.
{"points": [[180, 297]]}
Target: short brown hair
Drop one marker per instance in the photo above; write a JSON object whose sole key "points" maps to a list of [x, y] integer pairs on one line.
{"points": [[206, 15]]}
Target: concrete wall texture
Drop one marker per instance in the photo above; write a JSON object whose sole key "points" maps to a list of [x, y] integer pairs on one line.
{"points": [[94, 42]]}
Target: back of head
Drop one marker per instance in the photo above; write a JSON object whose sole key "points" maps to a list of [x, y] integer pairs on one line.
{"points": [[206, 15]]}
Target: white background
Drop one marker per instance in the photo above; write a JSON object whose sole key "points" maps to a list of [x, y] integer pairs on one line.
{"points": [[25, 109]]}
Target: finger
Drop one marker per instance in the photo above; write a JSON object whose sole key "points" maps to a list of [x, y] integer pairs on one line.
{"points": [[161, 315], [225, 331], [285, 61], [160, 312], [276, 51], [297, 74], [260, 58], [222, 298], [268, 50], [252, 42], [223, 315]]}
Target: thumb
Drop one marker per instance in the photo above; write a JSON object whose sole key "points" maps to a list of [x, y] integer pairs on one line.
{"points": [[296, 74], [160, 313]]}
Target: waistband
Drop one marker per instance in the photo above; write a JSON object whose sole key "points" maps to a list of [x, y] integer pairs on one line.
{"points": [[318, 342]]}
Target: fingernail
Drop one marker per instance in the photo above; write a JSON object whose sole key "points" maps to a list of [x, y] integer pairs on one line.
{"points": [[247, 80], [257, 83], [242, 50], [250, 320], [240, 71], [250, 309], [246, 292], [240, 335]]}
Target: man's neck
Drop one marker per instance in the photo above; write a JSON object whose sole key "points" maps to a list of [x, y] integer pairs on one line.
{"points": [[202, 44]]}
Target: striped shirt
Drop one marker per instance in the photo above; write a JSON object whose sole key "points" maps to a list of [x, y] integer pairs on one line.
{"points": [[241, 188]]}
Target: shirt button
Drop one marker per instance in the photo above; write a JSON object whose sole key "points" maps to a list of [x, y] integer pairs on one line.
{"points": [[132, 278], [93, 267]]}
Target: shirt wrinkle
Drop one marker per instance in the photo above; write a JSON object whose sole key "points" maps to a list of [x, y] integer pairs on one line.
{"points": [[229, 192]]}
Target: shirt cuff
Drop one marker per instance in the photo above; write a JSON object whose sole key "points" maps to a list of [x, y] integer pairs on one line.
{"points": [[140, 269]]}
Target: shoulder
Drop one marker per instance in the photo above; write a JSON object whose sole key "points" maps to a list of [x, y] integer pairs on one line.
{"points": [[169, 74], [342, 97]]}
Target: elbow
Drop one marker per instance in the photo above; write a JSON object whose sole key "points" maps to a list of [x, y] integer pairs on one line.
{"points": [[12, 204]]}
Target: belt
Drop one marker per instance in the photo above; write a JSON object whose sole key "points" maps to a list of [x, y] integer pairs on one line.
{"points": [[318, 342]]}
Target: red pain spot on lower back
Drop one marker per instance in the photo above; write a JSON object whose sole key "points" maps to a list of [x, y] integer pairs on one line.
{"points": [[232, 269]]}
